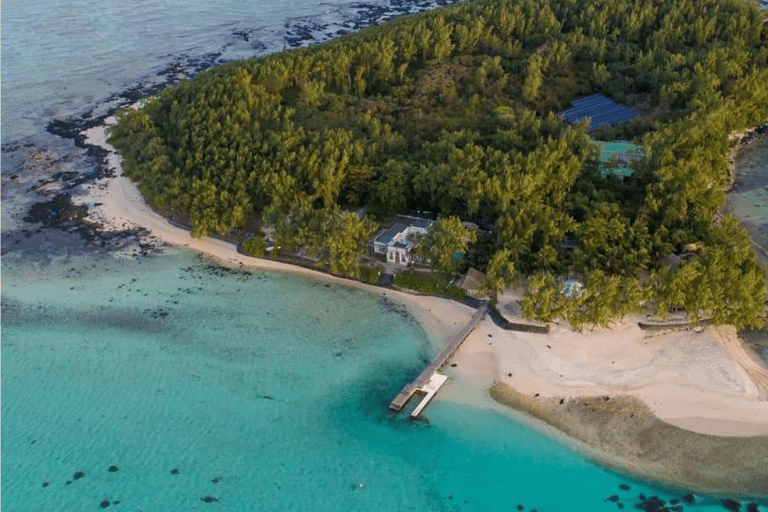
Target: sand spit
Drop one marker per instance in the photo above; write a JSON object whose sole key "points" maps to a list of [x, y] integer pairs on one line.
{"points": [[622, 432]]}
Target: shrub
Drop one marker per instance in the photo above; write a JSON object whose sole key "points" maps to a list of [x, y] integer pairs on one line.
{"points": [[369, 274], [255, 247], [428, 285]]}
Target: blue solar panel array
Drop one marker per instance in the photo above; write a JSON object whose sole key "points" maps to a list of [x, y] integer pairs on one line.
{"points": [[599, 109]]}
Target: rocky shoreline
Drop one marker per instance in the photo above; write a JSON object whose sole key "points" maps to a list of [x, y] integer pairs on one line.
{"points": [[39, 195], [739, 140]]}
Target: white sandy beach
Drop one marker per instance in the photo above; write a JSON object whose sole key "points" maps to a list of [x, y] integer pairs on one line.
{"points": [[700, 379], [687, 378]]}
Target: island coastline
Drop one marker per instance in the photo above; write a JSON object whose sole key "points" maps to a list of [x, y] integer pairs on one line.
{"points": [[519, 371]]}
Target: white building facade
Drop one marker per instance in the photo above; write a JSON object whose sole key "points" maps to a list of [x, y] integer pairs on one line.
{"points": [[399, 241]]}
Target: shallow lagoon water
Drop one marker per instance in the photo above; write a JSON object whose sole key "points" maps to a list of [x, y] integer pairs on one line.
{"points": [[263, 391]]}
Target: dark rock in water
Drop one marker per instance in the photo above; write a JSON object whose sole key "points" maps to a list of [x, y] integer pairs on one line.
{"points": [[676, 508], [689, 499], [732, 505], [46, 484], [653, 504], [624, 487], [58, 212], [752, 507], [520, 507], [614, 498], [68, 482], [209, 499], [620, 506], [112, 469], [674, 501], [641, 497], [216, 480], [78, 475], [242, 34], [175, 471], [105, 504]]}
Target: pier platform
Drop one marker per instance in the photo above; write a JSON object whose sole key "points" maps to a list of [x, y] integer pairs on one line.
{"points": [[430, 372], [430, 390]]}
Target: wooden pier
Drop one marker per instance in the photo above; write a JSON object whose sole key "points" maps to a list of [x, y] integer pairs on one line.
{"points": [[429, 374]]}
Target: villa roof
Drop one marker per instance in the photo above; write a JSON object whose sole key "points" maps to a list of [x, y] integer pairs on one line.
{"points": [[420, 223], [416, 222], [388, 235], [472, 280]]}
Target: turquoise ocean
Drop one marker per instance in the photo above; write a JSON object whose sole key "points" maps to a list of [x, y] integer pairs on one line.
{"points": [[259, 391], [157, 382]]}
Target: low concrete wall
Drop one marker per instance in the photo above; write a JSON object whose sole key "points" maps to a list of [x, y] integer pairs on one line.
{"points": [[505, 324]]}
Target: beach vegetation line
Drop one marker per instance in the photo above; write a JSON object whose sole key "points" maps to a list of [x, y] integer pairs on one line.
{"points": [[455, 111]]}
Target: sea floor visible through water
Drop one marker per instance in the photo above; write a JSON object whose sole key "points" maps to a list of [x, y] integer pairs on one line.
{"points": [[168, 383], [165, 383]]}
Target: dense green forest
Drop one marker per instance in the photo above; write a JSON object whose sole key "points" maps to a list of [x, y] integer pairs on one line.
{"points": [[454, 111]]}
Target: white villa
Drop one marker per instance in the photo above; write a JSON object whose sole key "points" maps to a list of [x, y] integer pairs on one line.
{"points": [[398, 241]]}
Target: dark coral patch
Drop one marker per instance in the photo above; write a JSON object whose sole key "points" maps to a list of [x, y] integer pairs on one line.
{"points": [[652, 504]]}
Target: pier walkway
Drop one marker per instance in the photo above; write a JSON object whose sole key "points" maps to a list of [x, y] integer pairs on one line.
{"points": [[428, 379]]}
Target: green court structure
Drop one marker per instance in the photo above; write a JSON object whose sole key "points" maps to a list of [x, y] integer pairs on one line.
{"points": [[616, 157]]}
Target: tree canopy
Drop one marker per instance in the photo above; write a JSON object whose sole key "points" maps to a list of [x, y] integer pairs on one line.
{"points": [[454, 111]]}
